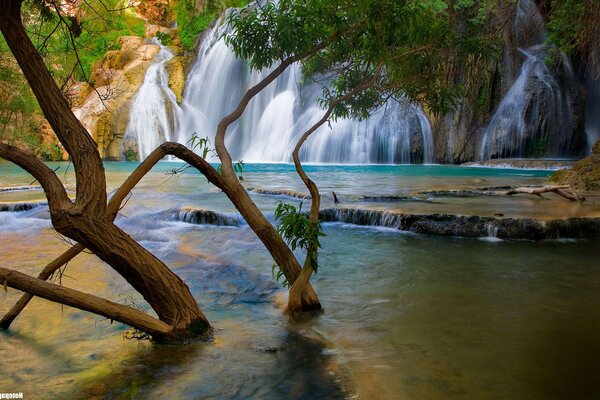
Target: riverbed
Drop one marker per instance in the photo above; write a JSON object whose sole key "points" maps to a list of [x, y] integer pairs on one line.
{"points": [[406, 316]]}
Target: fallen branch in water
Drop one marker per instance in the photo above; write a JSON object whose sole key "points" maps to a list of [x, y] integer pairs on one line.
{"points": [[565, 191]]}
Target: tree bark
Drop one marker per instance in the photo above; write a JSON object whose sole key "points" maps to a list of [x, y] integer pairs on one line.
{"points": [[565, 191], [299, 285], [113, 207], [87, 302], [87, 220]]}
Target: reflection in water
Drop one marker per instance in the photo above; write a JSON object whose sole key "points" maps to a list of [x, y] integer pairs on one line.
{"points": [[406, 316]]}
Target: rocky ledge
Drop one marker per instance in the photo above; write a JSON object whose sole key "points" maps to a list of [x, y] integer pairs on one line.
{"points": [[468, 226], [524, 163]]}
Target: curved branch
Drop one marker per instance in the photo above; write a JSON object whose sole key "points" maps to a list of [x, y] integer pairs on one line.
{"points": [[86, 302], [298, 286], [220, 147], [89, 170], [55, 191], [168, 148]]}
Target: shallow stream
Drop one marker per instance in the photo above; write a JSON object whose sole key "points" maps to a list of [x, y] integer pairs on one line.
{"points": [[406, 316]]}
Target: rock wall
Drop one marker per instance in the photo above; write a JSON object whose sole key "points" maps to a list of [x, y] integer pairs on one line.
{"points": [[536, 128], [104, 111]]}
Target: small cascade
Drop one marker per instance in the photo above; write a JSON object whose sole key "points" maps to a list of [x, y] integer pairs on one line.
{"points": [[206, 217], [21, 206], [274, 120], [19, 188], [534, 118], [492, 231], [155, 113], [467, 226]]}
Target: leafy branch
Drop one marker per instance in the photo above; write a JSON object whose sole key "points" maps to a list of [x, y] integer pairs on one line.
{"points": [[299, 232]]}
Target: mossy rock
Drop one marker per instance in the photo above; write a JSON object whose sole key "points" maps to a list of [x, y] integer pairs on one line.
{"points": [[596, 148], [585, 174], [117, 59]]}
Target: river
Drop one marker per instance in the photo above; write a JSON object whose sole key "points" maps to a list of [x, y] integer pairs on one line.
{"points": [[406, 316]]}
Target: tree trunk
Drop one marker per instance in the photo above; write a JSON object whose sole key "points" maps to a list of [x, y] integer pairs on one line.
{"points": [[87, 220], [86, 302], [168, 295], [276, 246]]}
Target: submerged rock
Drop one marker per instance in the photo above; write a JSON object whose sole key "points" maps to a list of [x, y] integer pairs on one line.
{"points": [[282, 192]]}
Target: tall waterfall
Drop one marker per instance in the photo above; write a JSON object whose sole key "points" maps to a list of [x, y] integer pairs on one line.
{"points": [[274, 120], [155, 114], [534, 118]]}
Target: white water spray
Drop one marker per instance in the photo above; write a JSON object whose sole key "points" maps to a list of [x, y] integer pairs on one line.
{"points": [[275, 118], [155, 113]]}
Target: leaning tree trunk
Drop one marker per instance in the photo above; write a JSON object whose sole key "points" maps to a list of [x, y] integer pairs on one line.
{"points": [[87, 220], [305, 299]]}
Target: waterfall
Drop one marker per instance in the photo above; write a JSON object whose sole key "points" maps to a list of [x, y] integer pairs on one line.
{"points": [[274, 120], [592, 113], [534, 117], [154, 112]]}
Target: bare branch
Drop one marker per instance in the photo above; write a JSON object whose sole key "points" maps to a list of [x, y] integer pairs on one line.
{"points": [[85, 302], [565, 191]]}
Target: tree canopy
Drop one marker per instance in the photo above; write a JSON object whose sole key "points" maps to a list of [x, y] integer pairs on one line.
{"points": [[401, 47]]}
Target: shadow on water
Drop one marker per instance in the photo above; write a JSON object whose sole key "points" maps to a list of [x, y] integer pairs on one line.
{"points": [[298, 367]]}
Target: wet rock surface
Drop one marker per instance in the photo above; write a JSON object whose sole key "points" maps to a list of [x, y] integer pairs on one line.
{"points": [[468, 226]]}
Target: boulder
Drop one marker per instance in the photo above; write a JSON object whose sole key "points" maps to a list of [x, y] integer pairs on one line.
{"points": [[585, 174]]}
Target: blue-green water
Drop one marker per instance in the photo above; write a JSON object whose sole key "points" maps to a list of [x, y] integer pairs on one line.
{"points": [[406, 316]]}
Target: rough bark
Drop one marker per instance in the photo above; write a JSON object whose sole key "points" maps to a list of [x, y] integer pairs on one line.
{"points": [[113, 207], [87, 220], [298, 286], [86, 302], [565, 191]]}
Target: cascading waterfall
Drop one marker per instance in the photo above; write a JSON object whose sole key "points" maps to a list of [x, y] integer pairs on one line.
{"points": [[274, 120], [155, 114], [534, 118], [534, 110]]}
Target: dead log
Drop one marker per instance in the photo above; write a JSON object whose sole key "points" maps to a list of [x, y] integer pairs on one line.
{"points": [[565, 191]]}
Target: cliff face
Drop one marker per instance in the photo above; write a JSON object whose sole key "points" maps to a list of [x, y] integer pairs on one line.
{"points": [[105, 111], [522, 105]]}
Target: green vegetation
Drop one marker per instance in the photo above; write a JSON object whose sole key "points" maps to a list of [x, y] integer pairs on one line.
{"points": [[130, 154], [400, 49], [573, 28], [192, 22], [93, 31], [299, 232]]}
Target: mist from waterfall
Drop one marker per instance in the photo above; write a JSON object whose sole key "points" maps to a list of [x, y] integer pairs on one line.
{"points": [[155, 114], [398, 133], [534, 117], [592, 114]]}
